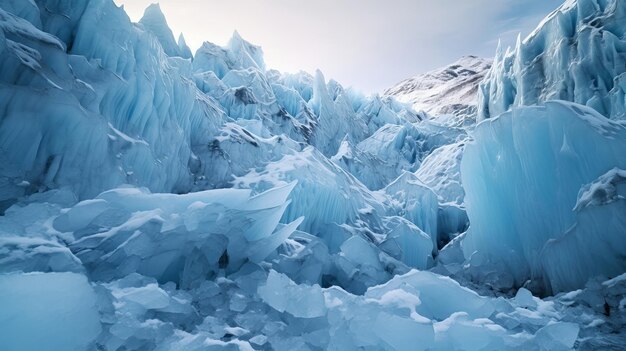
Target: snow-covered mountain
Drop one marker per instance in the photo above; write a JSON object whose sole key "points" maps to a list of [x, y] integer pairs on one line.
{"points": [[155, 199], [448, 90]]}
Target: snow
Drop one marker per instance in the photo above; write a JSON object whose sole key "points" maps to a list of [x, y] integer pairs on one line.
{"points": [[57, 310], [603, 191]]}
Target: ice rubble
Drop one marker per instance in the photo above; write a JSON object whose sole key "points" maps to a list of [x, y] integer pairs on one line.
{"points": [[191, 290], [578, 54], [529, 220], [176, 238]]}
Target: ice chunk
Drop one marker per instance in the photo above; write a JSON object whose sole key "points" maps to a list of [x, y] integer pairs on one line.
{"points": [[301, 82], [441, 171], [55, 311], [415, 202], [377, 113], [213, 58], [440, 296], [359, 265], [238, 54], [594, 245], [403, 333], [141, 128], [304, 258], [325, 195], [397, 145], [175, 237], [184, 50], [407, 243], [244, 54], [524, 298], [285, 296], [18, 253], [368, 168], [235, 151], [558, 336], [459, 332]]}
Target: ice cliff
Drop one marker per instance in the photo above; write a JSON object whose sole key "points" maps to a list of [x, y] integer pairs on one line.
{"points": [[531, 220]]}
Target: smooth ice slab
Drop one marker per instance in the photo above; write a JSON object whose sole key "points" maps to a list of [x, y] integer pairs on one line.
{"points": [[57, 311]]}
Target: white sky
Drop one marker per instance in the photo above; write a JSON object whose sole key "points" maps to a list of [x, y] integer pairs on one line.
{"points": [[368, 44]]}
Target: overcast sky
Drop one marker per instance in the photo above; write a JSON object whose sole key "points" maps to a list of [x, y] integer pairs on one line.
{"points": [[368, 44]]}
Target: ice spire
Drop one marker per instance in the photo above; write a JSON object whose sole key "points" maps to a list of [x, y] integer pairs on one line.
{"points": [[185, 51], [154, 21]]}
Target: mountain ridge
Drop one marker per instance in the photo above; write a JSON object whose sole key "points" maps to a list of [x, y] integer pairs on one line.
{"points": [[451, 89]]}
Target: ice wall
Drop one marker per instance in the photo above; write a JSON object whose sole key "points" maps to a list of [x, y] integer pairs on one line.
{"points": [[522, 175]]}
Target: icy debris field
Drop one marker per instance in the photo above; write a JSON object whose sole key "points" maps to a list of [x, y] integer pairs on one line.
{"points": [[156, 199]]}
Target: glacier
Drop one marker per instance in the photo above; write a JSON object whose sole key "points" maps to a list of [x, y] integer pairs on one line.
{"points": [[152, 198]]}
